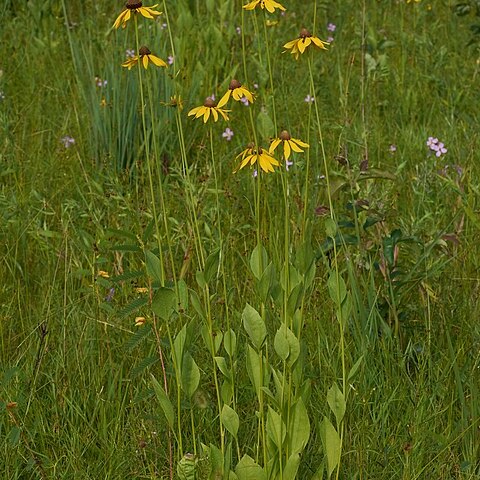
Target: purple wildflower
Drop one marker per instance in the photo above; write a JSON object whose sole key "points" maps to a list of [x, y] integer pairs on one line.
{"points": [[227, 134], [245, 101], [288, 165], [170, 59], [67, 141], [129, 52], [331, 27], [309, 99]]}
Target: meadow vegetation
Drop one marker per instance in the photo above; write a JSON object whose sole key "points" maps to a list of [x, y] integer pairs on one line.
{"points": [[256, 258]]}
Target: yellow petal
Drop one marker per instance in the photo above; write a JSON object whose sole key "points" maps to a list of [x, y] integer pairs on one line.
{"points": [[193, 111], [223, 113], [224, 99], [214, 113], [319, 43], [157, 61], [299, 142], [145, 61], [145, 12], [151, 10], [202, 110], [294, 146], [251, 5], [120, 19], [274, 145], [206, 115], [290, 44], [286, 149], [303, 44]]}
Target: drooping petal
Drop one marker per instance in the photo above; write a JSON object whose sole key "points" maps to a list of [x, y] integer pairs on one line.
{"points": [[144, 11], [201, 112], [300, 143], [294, 146], [274, 145], [122, 18], [214, 113], [145, 61], [319, 43], [223, 113], [151, 10], [206, 115], [131, 62], [251, 5], [290, 44], [303, 44], [193, 111], [248, 94], [286, 149], [224, 99], [157, 61]]}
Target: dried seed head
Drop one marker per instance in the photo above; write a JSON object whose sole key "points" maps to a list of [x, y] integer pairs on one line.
{"points": [[209, 102], [304, 33], [133, 4], [234, 84], [144, 51], [284, 135]]}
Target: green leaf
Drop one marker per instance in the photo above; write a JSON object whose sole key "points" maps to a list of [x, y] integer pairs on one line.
{"points": [[291, 467], [163, 302], [222, 366], [254, 368], [265, 126], [211, 266], [354, 369], [336, 288], [178, 347], [190, 375], [154, 266], [230, 420], [258, 261], [276, 430], [330, 228], [182, 300], [299, 430], [164, 402], [230, 342], [186, 467], [286, 345], [254, 326], [336, 401], [332, 445], [132, 307], [247, 469]]}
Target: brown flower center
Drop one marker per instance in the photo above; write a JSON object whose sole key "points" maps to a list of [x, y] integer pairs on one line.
{"points": [[304, 33], [133, 4], [144, 51], [284, 135], [234, 84], [209, 103]]}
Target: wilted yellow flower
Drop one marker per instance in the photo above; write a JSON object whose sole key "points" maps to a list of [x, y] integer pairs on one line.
{"points": [[135, 6], [235, 90], [145, 56], [289, 144], [175, 101], [103, 273], [140, 321], [305, 39], [252, 155], [270, 5], [208, 107], [141, 289]]}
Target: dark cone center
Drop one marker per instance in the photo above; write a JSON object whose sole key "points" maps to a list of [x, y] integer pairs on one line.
{"points": [[209, 103], [234, 84], [133, 4], [284, 135], [144, 51], [304, 33]]}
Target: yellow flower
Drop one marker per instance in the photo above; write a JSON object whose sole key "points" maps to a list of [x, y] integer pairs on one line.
{"points": [[235, 90], [140, 321], [270, 5], [252, 155], [103, 273], [208, 107], [289, 144], [305, 39], [145, 56], [135, 6]]}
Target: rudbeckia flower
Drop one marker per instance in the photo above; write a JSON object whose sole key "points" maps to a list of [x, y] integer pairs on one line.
{"points": [[305, 39], [135, 6], [208, 107], [270, 5], [145, 56], [289, 144], [252, 155], [235, 90]]}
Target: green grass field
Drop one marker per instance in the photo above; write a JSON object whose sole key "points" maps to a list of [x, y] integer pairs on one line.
{"points": [[289, 292]]}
